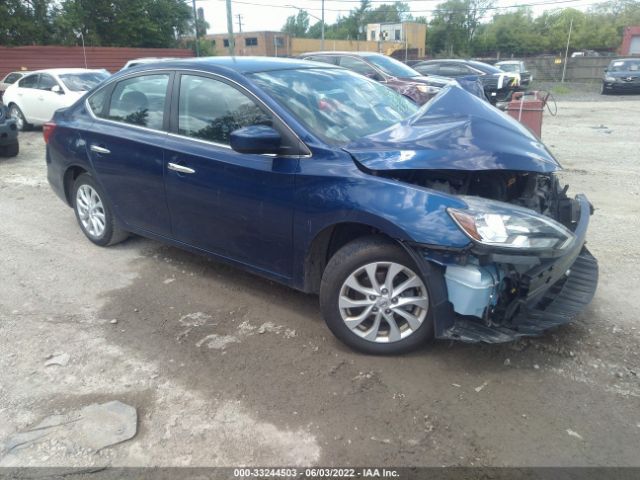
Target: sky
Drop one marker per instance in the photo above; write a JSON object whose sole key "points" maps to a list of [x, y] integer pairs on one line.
{"points": [[272, 14]]}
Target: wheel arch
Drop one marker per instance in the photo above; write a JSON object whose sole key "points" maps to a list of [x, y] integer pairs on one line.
{"points": [[329, 240], [70, 175]]}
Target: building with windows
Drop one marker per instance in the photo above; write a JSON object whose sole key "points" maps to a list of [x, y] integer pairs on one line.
{"points": [[265, 43], [630, 41], [413, 34]]}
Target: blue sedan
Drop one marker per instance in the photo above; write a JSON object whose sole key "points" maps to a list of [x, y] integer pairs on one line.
{"points": [[410, 222]]}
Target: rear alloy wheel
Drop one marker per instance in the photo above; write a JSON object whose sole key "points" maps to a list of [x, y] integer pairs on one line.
{"points": [[374, 300], [18, 116], [93, 213]]}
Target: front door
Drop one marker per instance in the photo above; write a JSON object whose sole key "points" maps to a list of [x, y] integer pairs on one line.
{"points": [[47, 102], [236, 205], [126, 144]]}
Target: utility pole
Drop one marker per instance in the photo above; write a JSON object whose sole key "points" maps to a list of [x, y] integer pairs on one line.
{"points": [[566, 52], [322, 28], [195, 26], [232, 42], [239, 22]]}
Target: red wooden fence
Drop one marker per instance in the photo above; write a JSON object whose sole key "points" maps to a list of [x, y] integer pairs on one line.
{"points": [[111, 58]]}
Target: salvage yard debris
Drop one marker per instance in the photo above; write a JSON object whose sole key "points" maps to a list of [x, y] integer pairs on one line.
{"points": [[91, 428]]}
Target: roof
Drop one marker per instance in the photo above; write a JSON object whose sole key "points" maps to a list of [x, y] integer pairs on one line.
{"points": [[338, 52], [506, 62], [238, 64], [62, 71]]}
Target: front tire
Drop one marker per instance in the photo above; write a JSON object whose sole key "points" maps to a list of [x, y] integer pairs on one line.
{"points": [[18, 116], [373, 298], [94, 214], [10, 150]]}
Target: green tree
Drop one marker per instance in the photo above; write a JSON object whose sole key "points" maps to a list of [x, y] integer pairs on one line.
{"points": [[25, 22], [124, 23], [454, 26], [297, 25]]}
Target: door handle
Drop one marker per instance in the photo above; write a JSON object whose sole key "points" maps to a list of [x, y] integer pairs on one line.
{"points": [[180, 168], [97, 149]]}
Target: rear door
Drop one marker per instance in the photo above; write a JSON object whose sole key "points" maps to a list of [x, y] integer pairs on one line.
{"points": [[26, 96], [236, 205], [126, 145]]}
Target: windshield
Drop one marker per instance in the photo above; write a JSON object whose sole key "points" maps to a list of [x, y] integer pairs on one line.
{"points": [[483, 67], [82, 82], [509, 67], [624, 66], [337, 105], [392, 67]]}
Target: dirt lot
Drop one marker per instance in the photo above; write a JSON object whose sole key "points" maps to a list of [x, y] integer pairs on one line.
{"points": [[225, 368]]}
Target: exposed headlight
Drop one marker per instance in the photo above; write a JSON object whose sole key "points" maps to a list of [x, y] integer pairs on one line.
{"points": [[515, 228], [427, 89], [609, 79]]}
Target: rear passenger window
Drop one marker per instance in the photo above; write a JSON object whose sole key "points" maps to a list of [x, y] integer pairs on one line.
{"points": [[30, 81], [139, 101], [211, 110]]}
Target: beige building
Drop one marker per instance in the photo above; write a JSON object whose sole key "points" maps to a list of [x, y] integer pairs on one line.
{"points": [[412, 34], [278, 44], [261, 44]]}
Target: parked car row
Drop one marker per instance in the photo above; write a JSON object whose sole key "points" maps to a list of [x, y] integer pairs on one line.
{"points": [[35, 96], [409, 222], [622, 76], [498, 84]]}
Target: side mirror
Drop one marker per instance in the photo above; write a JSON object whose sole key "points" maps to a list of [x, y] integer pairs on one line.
{"points": [[255, 139], [57, 89]]}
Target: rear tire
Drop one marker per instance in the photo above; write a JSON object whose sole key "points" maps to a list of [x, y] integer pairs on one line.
{"points": [[395, 308], [94, 214]]}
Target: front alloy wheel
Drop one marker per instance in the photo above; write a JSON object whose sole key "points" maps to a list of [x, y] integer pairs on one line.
{"points": [[374, 299], [383, 302]]}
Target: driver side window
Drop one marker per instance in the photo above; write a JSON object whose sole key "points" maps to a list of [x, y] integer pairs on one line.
{"points": [[210, 109], [359, 66], [46, 82]]}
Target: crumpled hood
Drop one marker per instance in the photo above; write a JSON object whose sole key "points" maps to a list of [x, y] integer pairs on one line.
{"points": [[454, 131]]}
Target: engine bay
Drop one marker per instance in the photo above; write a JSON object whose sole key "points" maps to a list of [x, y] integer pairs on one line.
{"points": [[540, 192]]}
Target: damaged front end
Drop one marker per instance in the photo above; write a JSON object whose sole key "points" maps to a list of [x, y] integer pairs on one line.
{"points": [[526, 268]]}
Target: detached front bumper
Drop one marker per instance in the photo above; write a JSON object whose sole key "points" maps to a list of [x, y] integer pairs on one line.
{"points": [[555, 292]]}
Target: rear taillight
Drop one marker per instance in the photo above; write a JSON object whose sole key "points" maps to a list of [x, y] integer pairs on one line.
{"points": [[47, 131]]}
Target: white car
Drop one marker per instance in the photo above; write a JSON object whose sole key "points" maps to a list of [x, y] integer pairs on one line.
{"points": [[10, 79], [145, 60], [33, 99]]}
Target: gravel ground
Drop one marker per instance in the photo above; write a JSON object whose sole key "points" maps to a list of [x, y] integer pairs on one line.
{"points": [[225, 368]]}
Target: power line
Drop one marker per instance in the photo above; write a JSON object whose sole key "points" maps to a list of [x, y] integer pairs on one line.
{"points": [[434, 10]]}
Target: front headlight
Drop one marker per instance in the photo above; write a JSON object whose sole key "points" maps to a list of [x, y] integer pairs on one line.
{"points": [[514, 228], [427, 89], [609, 79]]}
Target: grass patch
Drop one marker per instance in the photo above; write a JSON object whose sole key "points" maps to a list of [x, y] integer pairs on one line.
{"points": [[560, 89]]}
